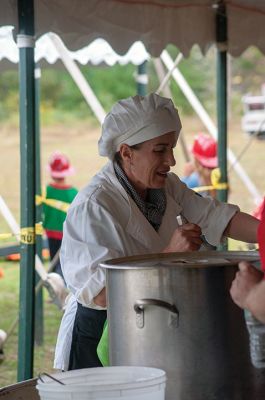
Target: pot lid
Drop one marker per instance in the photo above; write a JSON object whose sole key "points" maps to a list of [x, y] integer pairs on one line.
{"points": [[200, 259]]}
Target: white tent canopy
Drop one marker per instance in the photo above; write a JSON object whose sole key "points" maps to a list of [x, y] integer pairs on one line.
{"points": [[97, 52], [49, 49], [155, 22]]}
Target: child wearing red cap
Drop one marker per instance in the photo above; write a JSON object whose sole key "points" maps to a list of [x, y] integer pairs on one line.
{"points": [[59, 168], [198, 172]]}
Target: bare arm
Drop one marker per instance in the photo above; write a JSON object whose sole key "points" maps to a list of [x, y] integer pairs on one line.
{"points": [[242, 227]]}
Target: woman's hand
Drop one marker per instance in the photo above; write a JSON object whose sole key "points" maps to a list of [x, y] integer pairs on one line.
{"points": [[246, 279], [185, 238], [100, 299]]}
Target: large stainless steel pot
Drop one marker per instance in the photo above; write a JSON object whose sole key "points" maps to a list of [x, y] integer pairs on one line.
{"points": [[174, 311]]}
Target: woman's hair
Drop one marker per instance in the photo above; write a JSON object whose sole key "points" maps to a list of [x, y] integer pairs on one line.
{"points": [[117, 156]]}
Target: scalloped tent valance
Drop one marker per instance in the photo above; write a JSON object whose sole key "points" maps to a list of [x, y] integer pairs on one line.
{"points": [[154, 22], [97, 52]]}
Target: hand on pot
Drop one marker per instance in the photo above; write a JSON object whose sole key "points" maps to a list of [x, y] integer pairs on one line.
{"points": [[185, 238], [246, 279]]}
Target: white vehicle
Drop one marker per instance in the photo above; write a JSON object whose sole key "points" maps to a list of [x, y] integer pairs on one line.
{"points": [[253, 121]]}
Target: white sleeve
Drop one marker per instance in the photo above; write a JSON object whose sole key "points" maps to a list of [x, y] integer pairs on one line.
{"points": [[211, 215], [90, 235]]}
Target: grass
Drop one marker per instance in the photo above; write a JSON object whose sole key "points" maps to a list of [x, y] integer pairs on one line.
{"points": [[79, 141], [9, 308]]}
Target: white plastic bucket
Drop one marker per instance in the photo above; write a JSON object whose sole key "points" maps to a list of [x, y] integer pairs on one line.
{"points": [[110, 383]]}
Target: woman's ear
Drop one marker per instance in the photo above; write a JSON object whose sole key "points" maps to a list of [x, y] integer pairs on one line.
{"points": [[125, 153]]}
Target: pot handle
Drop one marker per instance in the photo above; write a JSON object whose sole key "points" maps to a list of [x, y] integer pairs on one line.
{"points": [[140, 305]]}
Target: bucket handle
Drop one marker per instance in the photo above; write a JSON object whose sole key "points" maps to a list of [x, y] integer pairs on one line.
{"points": [[140, 305], [50, 376]]}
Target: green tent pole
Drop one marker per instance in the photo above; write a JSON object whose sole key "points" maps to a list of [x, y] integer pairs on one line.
{"points": [[25, 41], [142, 79], [39, 296], [221, 38]]}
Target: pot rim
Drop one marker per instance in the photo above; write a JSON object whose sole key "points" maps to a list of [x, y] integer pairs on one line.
{"points": [[200, 259]]}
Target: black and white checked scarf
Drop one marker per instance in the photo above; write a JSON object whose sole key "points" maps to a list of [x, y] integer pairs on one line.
{"points": [[155, 204]]}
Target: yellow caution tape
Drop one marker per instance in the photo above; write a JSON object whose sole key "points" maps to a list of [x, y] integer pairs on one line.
{"points": [[39, 228], [215, 179], [26, 235], [58, 204], [38, 200], [216, 184], [4, 236]]}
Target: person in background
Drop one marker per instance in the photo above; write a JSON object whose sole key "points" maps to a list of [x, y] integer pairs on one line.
{"points": [[198, 172], [248, 287], [59, 168], [133, 205]]}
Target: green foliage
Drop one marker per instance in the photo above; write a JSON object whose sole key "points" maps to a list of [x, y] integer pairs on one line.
{"points": [[9, 102], [112, 84], [199, 72], [248, 72], [246, 76], [62, 101], [60, 92]]}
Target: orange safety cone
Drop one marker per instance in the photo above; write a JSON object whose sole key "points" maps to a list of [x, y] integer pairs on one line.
{"points": [[16, 256]]}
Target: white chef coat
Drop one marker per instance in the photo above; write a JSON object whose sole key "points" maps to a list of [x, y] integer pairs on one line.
{"points": [[103, 222]]}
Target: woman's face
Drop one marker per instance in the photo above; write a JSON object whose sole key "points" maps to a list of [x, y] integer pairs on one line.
{"points": [[147, 166]]}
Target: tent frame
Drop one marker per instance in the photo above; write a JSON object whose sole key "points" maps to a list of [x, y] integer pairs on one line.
{"points": [[27, 188], [28, 165]]}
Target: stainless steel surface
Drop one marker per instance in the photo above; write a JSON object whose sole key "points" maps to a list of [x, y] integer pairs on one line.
{"points": [[203, 346], [140, 305], [194, 260]]}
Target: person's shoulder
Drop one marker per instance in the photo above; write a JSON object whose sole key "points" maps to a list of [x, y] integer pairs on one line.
{"points": [[173, 184], [100, 190], [103, 196], [177, 188], [173, 179]]}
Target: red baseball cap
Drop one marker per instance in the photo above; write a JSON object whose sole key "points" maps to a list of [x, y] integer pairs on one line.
{"points": [[59, 165], [204, 150]]}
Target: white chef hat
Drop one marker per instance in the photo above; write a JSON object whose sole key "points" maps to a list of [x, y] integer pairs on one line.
{"points": [[135, 120]]}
